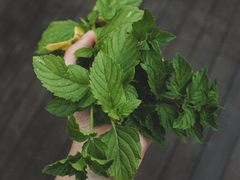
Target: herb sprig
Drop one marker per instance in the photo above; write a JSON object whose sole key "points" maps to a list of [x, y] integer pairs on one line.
{"points": [[126, 83]]}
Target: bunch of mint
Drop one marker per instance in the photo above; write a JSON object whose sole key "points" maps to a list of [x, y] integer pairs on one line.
{"points": [[126, 83]]}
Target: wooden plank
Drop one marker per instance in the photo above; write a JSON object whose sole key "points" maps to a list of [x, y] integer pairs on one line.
{"points": [[231, 169], [23, 149], [155, 159], [19, 119], [158, 8], [47, 149], [191, 31]]}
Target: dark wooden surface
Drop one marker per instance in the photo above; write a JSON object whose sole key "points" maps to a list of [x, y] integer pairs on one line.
{"points": [[208, 34]]}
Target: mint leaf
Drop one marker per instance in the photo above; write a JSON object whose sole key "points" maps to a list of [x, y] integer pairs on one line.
{"points": [[143, 26], [128, 107], [126, 15], [106, 82], [168, 67], [183, 74], [143, 46], [149, 126], [68, 82], [124, 147], [86, 100], [98, 166], [97, 148], [130, 92], [196, 132], [200, 82], [108, 8], [100, 117], [75, 133], [157, 131], [159, 38], [80, 164], [186, 119], [121, 46], [86, 52], [128, 76], [170, 92], [153, 58], [58, 31], [61, 107], [156, 80], [214, 87], [210, 121], [68, 167], [212, 105], [168, 113]]}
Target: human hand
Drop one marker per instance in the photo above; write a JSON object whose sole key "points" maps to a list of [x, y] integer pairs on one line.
{"points": [[83, 118]]}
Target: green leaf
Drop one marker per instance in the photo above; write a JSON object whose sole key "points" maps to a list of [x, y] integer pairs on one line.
{"points": [[97, 149], [183, 74], [86, 100], [75, 133], [68, 82], [156, 80], [128, 76], [168, 66], [61, 107], [210, 121], [143, 26], [168, 114], [131, 121], [185, 119], [100, 117], [108, 8], [214, 87], [153, 58], [159, 38], [86, 52], [67, 167], [202, 102], [80, 164], [128, 107], [58, 31], [143, 46], [200, 82], [212, 105], [196, 132], [170, 92], [124, 147], [157, 130], [98, 166], [149, 126], [126, 15], [106, 82], [130, 92], [121, 46]]}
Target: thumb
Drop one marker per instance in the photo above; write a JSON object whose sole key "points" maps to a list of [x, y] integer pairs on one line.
{"points": [[87, 40]]}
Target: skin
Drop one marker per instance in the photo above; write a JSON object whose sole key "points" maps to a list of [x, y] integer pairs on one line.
{"points": [[83, 118]]}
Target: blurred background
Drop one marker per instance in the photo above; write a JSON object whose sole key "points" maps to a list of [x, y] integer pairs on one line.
{"points": [[208, 34]]}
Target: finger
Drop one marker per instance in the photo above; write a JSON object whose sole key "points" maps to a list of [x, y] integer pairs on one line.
{"points": [[145, 144], [87, 40]]}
